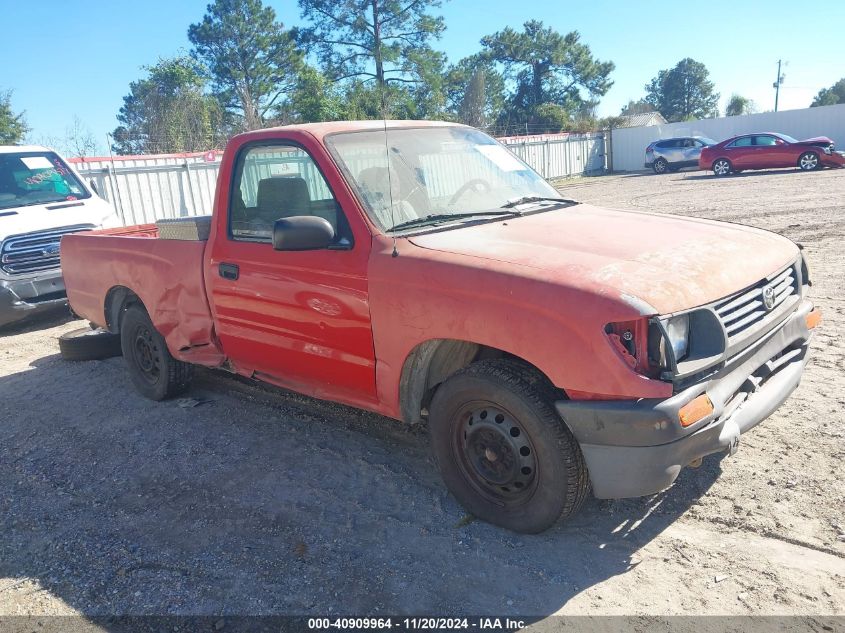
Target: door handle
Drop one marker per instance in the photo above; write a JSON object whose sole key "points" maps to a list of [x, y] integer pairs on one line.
{"points": [[229, 271]]}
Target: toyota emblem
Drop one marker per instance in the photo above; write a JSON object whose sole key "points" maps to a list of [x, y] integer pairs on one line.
{"points": [[768, 297]]}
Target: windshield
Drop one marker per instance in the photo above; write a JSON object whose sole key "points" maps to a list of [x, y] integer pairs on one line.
{"points": [[28, 178], [706, 141], [433, 171], [788, 138]]}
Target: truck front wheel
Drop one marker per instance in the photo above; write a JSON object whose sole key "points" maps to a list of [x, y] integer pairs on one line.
{"points": [[154, 372], [502, 449]]}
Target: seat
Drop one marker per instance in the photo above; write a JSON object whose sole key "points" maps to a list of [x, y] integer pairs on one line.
{"points": [[384, 196], [282, 197]]}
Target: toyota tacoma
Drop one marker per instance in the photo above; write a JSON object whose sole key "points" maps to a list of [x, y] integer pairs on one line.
{"points": [[422, 271]]}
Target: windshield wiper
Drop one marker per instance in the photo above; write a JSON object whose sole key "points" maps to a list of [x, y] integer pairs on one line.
{"points": [[510, 204], [434, 218], [34, 202]]}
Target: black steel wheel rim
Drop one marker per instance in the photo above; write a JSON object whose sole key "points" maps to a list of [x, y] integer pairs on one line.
{"points": [[146, 353], [494, 454]]}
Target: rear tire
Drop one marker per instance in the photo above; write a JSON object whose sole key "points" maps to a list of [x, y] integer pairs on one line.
{"points": [[722, 167], [660, 166], [154, 372], [86, 343], [809, 161], [503, 450]]}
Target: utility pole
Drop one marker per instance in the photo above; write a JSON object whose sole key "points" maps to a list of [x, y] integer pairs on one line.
{"points": [[776, 86]]}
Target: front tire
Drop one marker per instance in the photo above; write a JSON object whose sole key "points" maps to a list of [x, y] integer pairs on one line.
{"points": [[722, 167], [809, 161], [154, 372], [660, 166], [503, 450]]}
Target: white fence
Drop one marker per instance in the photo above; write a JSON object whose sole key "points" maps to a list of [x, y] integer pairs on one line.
{"points": [[146, 188], [628, 144], [560, 155]]}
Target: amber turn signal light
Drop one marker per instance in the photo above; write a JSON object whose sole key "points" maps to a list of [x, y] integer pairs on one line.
{"points": [[695, 410], [813, 319]]}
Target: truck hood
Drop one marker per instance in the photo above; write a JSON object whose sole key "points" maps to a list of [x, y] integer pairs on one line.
{"points": [[658, 263], [42, 217]]}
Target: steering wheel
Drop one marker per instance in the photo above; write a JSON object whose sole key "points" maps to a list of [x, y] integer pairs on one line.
{"points": [[476, 184]]}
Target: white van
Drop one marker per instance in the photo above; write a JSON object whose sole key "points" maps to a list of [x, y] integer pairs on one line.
{"points": [[42, 198]]}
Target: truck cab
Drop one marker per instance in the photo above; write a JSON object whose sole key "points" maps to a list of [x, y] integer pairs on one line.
{"points": [[42, 198]]}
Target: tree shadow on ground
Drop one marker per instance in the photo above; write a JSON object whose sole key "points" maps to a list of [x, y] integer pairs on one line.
{"points": [[746, 174], [47, 319], [249, 500]]}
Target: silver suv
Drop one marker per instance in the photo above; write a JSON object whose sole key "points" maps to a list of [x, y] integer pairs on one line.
{"points": [[671, 154]]}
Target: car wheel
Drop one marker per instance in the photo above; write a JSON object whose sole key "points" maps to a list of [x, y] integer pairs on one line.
{"points": [[87, 343], [503, 450], [808, 161], [722, 167], [660, 166], [154, 372]]}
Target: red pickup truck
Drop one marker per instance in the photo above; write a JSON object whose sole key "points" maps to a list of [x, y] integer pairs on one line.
{"points": [[421, 271]]}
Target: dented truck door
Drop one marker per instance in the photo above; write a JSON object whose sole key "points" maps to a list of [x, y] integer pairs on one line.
{"points": [[299, 319]]}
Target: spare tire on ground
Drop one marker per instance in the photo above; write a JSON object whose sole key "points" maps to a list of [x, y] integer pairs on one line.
{"points": [[89, 344]]}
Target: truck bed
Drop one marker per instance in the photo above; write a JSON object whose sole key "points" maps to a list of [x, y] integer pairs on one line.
{"points": [[167, 276]]}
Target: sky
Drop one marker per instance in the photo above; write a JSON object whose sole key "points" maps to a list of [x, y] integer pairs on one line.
{"points": [[65, 60]]}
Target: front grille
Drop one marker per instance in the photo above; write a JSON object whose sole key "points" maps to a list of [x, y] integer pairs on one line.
{"points": [[34, 252], [745, 310]]}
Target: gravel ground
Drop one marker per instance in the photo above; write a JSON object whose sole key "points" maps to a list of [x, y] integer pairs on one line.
{"points": [[258, 501]]}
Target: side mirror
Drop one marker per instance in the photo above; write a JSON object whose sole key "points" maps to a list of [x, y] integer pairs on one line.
{"points": [[302, 233]]}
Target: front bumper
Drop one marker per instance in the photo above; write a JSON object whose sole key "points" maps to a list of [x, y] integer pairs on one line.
{"points": [[834, 159], [638, 447], [20, 298]]}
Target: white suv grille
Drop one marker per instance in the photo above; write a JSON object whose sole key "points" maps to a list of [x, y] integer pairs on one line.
{"points": [[34, 252]]}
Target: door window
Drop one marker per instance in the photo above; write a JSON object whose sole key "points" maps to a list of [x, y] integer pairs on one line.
{"points": [[745, 141], [765, 140], [279, 181]]}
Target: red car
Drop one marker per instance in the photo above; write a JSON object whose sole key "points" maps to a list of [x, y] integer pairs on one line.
{"points": [[769, 151]]}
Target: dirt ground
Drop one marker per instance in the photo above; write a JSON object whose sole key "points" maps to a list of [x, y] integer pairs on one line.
{"points": [[264, 502]]}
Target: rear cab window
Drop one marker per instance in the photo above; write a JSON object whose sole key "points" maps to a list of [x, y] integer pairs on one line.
{"points": [[30, 178]]}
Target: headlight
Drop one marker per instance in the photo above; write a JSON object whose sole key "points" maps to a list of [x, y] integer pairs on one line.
{"points": [[805, 271], [677, 329], [677, 353], [827, 150]]}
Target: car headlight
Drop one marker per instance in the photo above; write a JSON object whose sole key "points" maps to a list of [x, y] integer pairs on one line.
{"points": [[805, 271], [677, 353], [677, 331], [827, 150], [651, 346]]}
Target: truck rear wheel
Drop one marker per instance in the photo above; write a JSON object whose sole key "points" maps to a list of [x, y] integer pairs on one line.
{"points": [[503, 450], [154, 372]]}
